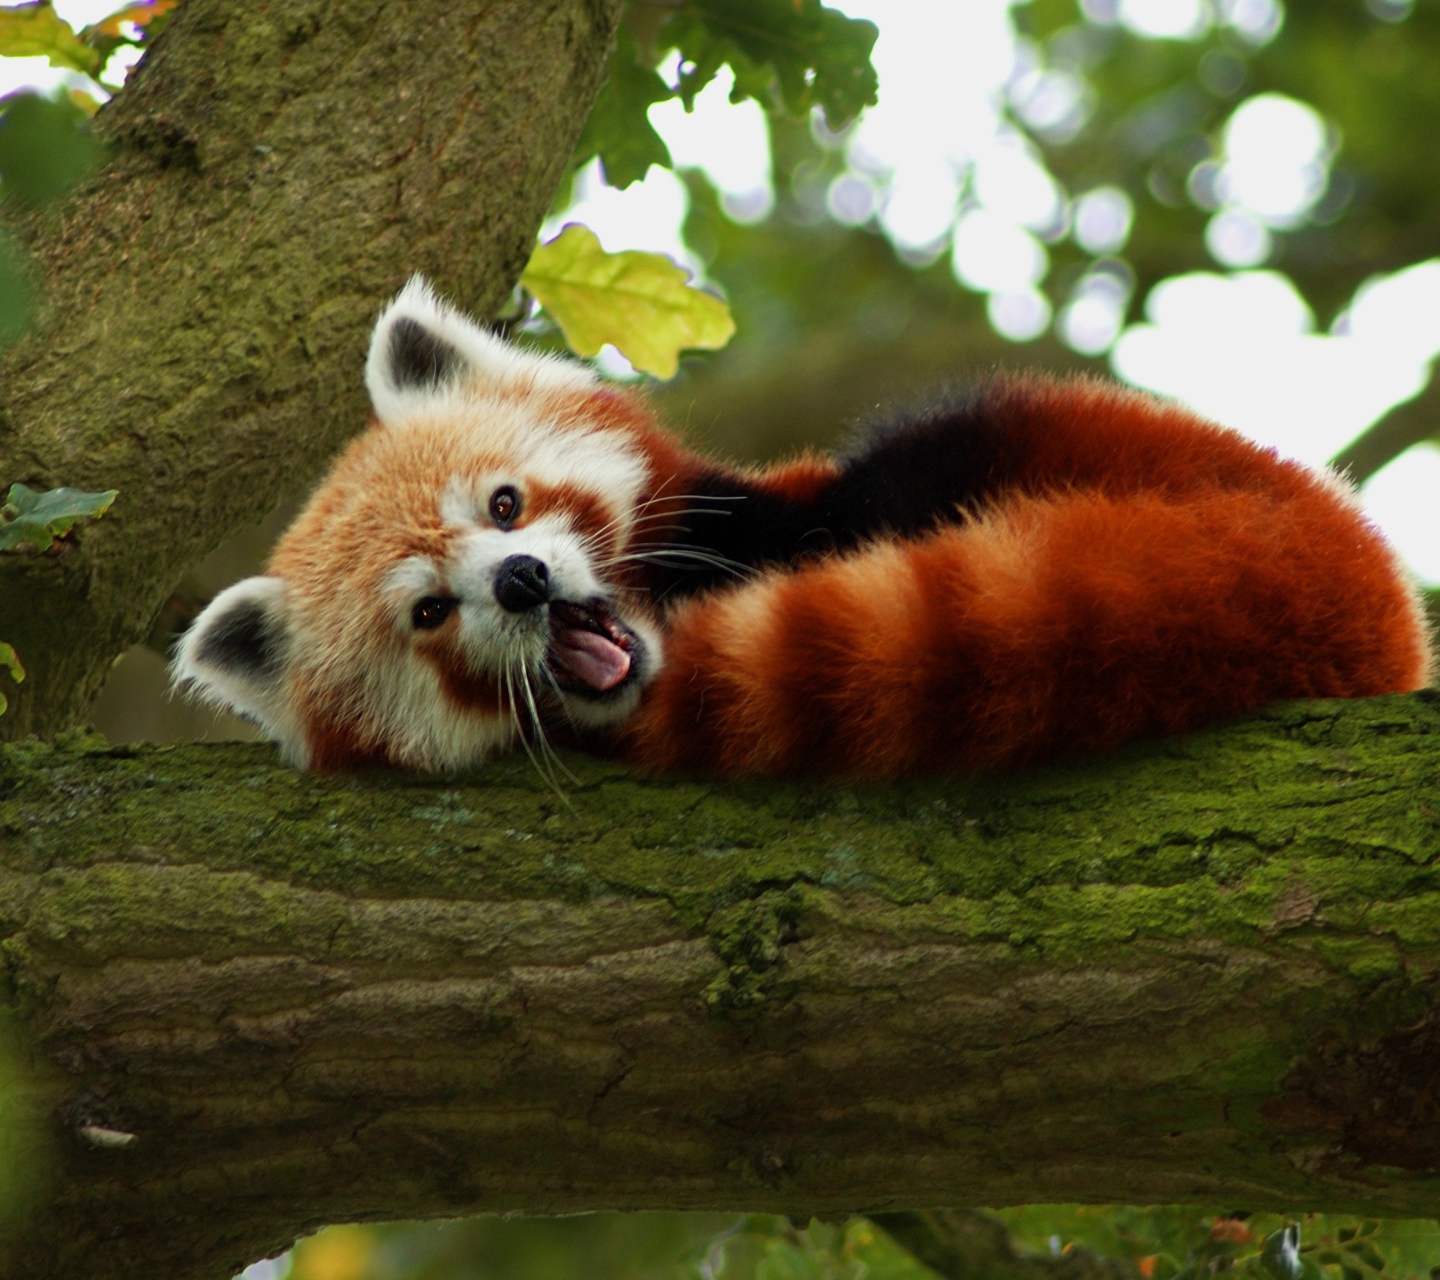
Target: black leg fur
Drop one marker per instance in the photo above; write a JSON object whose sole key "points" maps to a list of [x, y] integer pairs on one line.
{"points": [[904, 476]]}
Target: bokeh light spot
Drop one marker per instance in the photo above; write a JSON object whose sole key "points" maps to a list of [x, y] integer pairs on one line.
{"points": [[1236, 238], [1092, 319], [1276, 159], [646, 215], [994, 255], [1256, 21], [1400, 498], [729, 143], [851, 199], [1166, 19], [1103, 218], [1009, 181], [1240, 349], [1021, 315]]}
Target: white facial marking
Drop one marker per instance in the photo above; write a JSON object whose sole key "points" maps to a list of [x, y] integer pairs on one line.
{"points": [[413, 576], [476, 559], [458, 504], [600, 461]]}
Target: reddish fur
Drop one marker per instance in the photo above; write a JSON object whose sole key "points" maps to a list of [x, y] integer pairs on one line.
{"points": [[465, 687], [335, 748], [586, 509], [1145, 572], [1136, 571], [799, 479]]}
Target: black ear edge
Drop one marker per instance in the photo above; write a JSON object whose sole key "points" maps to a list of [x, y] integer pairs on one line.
{"points": [[419, 357], [245, 640]]}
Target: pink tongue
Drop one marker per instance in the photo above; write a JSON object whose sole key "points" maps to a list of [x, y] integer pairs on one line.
{"points": [[591, 658]]}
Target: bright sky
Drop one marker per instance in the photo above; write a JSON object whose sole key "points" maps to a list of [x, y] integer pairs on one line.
{"points": [[942, 174]]}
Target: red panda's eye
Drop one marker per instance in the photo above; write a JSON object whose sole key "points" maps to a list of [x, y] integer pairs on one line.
{"points": [[430, 612], [504, 505]]}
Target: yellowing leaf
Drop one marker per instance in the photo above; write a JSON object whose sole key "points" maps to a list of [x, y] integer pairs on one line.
{"points": [[337, 1253], [642, 303], [30, 30], [139, 14]]}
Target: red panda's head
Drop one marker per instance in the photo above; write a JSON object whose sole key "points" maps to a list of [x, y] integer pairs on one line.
{"points": [[463, 569]]}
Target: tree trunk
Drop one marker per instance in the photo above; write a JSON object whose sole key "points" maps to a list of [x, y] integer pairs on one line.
{"points": [[252, 1001], [278, 169]]}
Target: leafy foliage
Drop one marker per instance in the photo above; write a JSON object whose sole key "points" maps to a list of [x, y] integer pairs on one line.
{"points": [[133, 25], [35, 29], [617, 129], [642, 303], [808, 54], [788, 55], [40, 518], [642, 1246], [45, 146], [1182, 1243], [1159, 1243], [31, 30], [10, 660]]}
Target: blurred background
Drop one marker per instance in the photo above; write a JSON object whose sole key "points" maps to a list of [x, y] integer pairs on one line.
{"points": [[1232, 202]]}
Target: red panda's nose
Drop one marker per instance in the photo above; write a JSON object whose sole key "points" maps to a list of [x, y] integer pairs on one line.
{"points": [[522, 583]]}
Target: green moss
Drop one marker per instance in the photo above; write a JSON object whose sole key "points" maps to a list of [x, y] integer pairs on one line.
{"points": [[1367, 960], [1298, 833], [1085, 843], [748, 936]]}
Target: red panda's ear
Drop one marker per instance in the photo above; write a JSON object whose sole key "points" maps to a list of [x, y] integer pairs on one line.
{"points": [[235, 655], [424, 353]]}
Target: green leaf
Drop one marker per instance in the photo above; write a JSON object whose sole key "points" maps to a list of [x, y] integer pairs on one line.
{"points": [[618, 129], [30, 30], [1281, 1253], [45, 145], [17, 294], [40, 518], [806, 53], [639, 302], [1409, 1248], [10, 660]]}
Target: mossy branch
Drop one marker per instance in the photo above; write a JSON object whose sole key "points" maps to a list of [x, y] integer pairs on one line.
{"points": [[1201, 970], [277, 169]]}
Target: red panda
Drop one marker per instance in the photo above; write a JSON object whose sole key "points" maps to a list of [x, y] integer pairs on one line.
{"points": [[1035, 570]]}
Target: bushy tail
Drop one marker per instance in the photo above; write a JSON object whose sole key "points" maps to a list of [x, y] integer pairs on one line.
{"points": [[1132, 571]]}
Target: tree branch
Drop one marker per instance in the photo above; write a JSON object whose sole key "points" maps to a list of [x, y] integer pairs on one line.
{"points": [[1201, 970], [278, 168], [1389, 436]]}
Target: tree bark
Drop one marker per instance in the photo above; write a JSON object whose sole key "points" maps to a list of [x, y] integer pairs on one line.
{"points": [[278, 169], [251, 1001]]}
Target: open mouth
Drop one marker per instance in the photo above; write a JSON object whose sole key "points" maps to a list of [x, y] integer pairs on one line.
{"points": [[591, 651]]}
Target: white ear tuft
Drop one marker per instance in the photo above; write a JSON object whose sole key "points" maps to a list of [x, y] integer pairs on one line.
{"points": [[235, 655], [424, 352]]}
